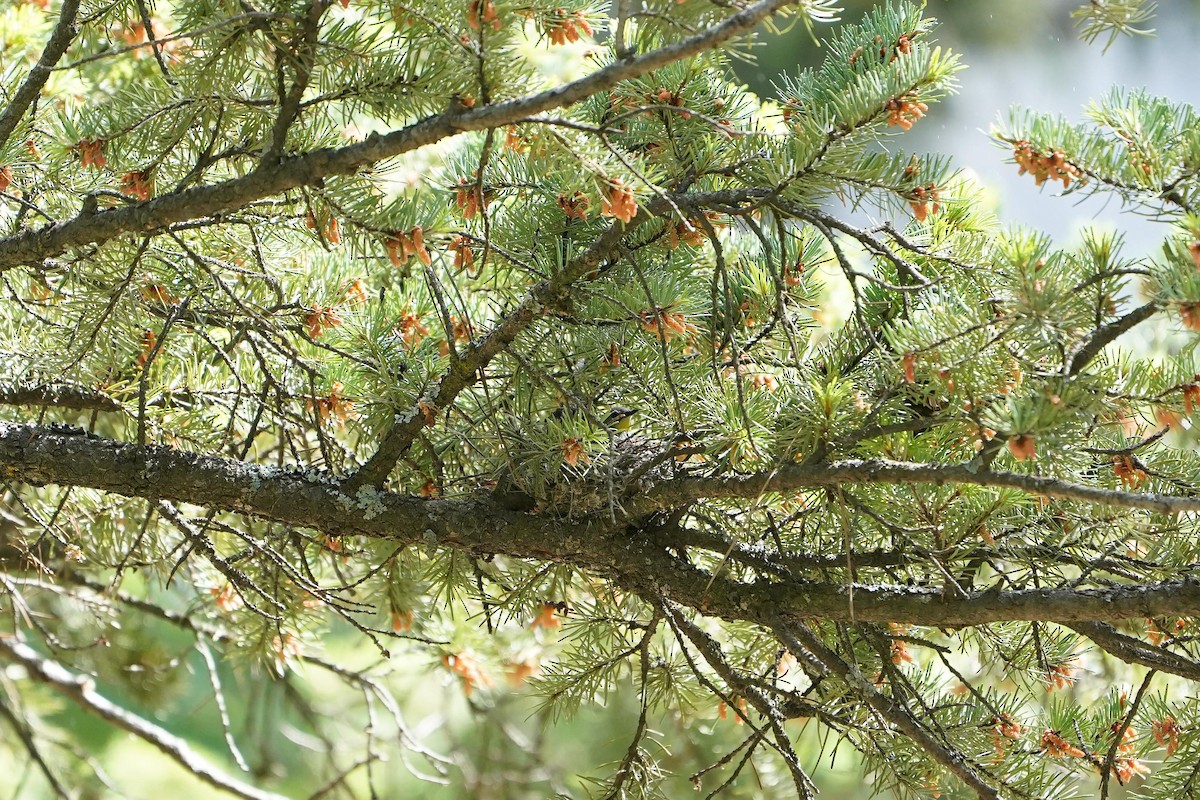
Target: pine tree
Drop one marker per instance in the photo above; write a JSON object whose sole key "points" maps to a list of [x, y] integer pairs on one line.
{"points": [[511, 354]]}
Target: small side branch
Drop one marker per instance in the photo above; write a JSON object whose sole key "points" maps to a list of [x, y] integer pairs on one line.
{"points": [[60, 395], [464, 369], [21, 728], [801, 641], [1135, 651], [884, 471], [60, 39], [1107, 334]]}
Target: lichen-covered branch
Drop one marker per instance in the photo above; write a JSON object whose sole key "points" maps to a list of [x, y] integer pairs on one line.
{"points": [[479, 525]]}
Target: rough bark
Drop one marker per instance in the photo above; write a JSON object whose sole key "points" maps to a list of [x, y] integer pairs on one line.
{"points": [[632, 552]]}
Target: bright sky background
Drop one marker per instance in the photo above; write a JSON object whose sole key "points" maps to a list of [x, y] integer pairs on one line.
{"points": [[1028, 52]]}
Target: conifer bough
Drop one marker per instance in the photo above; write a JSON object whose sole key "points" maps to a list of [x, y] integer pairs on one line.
{"points": [[515, 355]]}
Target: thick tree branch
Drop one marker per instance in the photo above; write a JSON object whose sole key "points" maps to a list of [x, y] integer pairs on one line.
{"points": [[311, 168], [41, 455], [82, 691], [478, 525]]}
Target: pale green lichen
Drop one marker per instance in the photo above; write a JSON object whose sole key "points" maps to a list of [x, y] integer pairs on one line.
{"points": [[370, 500]]}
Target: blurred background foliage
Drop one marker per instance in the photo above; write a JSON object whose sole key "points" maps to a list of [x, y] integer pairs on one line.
{"points": [[1023, 53], [1019, 52]]}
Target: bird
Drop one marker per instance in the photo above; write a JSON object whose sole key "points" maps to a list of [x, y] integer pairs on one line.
{"points": [[620, 418]]}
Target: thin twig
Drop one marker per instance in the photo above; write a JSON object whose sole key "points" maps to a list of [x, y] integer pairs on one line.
{"points": [[82, 691]]}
